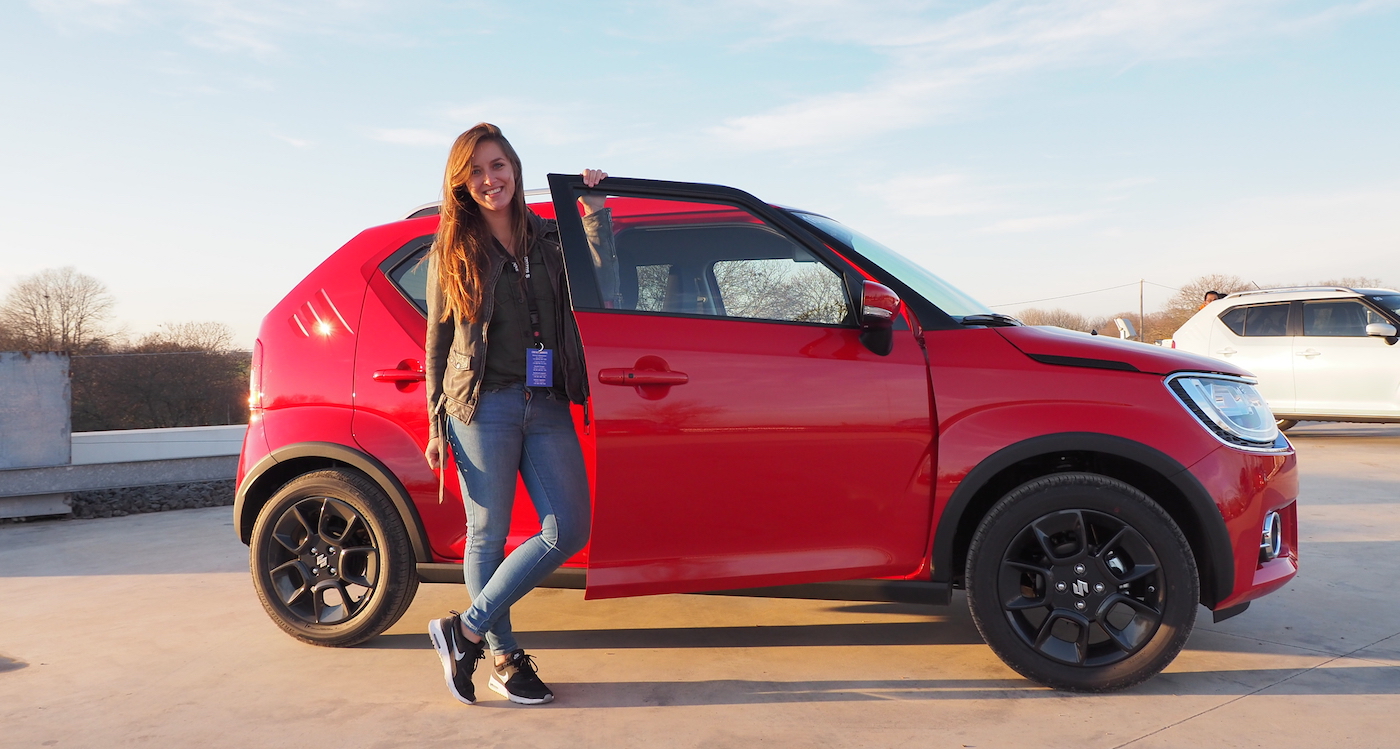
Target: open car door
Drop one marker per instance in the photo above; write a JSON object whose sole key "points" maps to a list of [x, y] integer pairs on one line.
{"points": [[744, 435]]}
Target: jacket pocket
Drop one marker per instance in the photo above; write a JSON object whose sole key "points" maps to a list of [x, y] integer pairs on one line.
{"points": [[460, 362]]}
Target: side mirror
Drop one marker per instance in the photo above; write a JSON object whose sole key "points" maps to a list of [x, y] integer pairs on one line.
{"points": [[1382, 330], [879, 306]]}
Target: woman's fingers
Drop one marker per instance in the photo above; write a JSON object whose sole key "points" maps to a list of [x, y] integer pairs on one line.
{"points": [[592, 177], [432, 453]]}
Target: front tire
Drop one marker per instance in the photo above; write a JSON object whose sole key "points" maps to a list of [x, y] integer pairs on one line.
{"points": [[1081, 582], [1286, 424], [331, 559]]}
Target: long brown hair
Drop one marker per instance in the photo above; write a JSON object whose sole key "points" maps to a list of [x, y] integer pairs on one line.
{"points": [[463, 239]]}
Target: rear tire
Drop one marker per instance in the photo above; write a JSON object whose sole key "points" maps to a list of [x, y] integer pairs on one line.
{"points": [[1081, 582], [331, 559]]}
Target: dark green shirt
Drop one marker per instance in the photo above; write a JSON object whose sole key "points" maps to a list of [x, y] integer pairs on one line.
{"points": [[509, 334]]}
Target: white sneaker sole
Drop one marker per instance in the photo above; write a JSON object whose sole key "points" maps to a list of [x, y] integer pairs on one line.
{"points": [[444, 652], [499, 687]]}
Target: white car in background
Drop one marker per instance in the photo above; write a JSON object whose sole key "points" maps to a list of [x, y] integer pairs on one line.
{"points": [[1320, 353]]}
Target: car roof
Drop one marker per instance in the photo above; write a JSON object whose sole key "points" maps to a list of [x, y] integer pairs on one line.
{"points": [[533, 195], [1290, 293]]}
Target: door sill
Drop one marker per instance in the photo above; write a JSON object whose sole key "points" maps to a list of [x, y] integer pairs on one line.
{"points": [[888, 591]]}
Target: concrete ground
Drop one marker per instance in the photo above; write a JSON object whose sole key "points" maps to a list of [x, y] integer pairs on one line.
{"points": [[145, 631]]}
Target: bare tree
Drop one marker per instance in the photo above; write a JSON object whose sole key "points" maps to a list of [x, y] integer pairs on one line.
{"points": [[1062, 318], [1354, 282], [1188, 300], [58, 309], [212, 337]]}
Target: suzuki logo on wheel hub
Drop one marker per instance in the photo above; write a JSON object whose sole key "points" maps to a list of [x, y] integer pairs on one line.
{"points": [[1081, 588]]}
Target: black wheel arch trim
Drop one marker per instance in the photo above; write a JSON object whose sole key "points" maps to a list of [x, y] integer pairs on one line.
{"points": [[334, 454], [1206, 514]]}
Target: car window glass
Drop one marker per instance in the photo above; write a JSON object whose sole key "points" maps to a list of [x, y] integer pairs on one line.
{"points": [[1234, 320], [411, 276], [691, 258], [1387, 301], [651, 286], [944, 295], [1257, 320], [1336, 318]]}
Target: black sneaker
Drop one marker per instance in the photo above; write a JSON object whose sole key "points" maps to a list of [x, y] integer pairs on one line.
{"points": [[517, 681], [458, 654]]}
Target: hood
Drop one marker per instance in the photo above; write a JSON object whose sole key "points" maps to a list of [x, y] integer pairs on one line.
{"points": [[1071, 348]]}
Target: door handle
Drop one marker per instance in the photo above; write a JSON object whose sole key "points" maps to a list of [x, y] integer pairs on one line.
{"points": [[641, 377], [1310, 353], [409, 370], [1227, 351]]}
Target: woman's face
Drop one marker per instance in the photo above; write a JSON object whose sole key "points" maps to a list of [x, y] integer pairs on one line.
{"points": [[490, 178]]}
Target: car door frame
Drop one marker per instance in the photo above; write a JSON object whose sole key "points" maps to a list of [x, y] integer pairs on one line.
{"points": [[853, 268]]}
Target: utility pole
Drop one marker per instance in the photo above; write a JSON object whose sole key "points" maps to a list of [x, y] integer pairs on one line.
{"points": [[1142, 329]]}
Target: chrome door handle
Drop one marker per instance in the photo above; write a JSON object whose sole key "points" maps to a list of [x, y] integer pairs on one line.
{"points": [[1310, 353], [1227, 351]]}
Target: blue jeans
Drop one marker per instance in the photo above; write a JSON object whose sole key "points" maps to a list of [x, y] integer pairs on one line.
{"points": [[517, 430]]}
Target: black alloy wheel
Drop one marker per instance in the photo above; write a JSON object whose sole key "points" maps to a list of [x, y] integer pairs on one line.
{"points": [[1081, 582], [331, 559]]}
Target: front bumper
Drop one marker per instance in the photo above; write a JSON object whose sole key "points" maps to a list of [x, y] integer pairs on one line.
{"points": [[1246, 487]]}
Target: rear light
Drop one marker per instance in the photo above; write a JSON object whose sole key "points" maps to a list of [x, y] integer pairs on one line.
{"points": [[255, 395]]}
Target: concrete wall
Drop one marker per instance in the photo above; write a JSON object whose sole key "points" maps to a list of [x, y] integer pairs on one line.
{"points": [[157, 444], [35, 409]]}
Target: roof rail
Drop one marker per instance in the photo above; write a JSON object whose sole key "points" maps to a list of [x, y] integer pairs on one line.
{"points": [[1290, 288], [431, 209]]}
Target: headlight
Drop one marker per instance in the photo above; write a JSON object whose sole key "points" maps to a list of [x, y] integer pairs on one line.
{"points": [[1232, 409]]}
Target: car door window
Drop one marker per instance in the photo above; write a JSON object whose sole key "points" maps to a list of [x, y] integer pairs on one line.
{"points": [[1337, 319], [1258, 320], [689, 258]]}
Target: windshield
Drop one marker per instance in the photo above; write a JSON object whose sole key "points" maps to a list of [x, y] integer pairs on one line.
{"points": [[1388, 301], [942, 294]]}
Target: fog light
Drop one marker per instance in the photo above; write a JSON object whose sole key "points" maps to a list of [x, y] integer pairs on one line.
{"points": [[1271, 544]]}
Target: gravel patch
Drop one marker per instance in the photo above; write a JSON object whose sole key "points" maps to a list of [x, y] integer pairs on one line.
{"points": [[134, 500], [109, 503]]}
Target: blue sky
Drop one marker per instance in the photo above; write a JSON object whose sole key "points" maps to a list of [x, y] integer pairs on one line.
{"points": [[200, 156]]}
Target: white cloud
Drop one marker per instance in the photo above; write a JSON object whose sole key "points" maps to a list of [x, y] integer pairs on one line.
{"points": [[936, 64], [414, 137], [253, 27], [546, 121], [938, 195], [1038, 223], [295, 142]]}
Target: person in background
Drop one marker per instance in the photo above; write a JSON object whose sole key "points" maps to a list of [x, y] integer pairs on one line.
{"points": [[1210, 297]]}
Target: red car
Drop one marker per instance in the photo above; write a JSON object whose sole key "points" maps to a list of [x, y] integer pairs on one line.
{"points": [[781, 406]]}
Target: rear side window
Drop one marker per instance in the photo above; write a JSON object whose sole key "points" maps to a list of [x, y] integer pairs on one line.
{"points": [[1337, 319], [1258, 320], [410, 275]]}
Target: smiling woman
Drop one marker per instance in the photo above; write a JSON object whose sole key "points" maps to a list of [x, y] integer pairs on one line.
{"points": [[504, 407]]}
